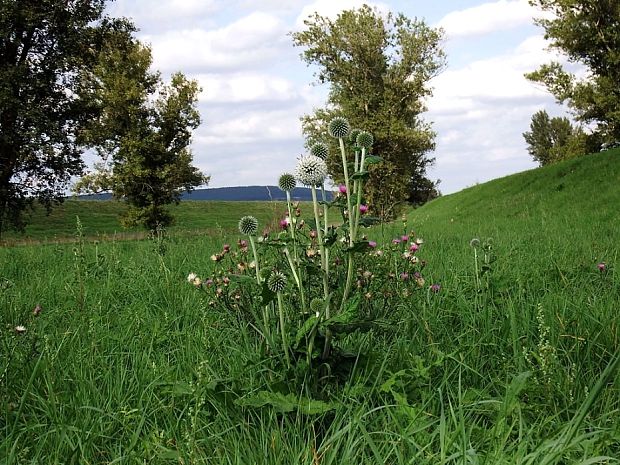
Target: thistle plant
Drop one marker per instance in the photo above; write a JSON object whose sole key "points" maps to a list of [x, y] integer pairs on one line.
{"points": [[317, 277]]}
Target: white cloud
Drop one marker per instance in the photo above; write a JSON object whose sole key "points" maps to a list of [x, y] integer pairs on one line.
{"points": [[249, 41], [488, 17], [163, 14], [245, 88]]}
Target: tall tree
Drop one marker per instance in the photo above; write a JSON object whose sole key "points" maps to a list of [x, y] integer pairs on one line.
{"points": [[378, 68], [45, 46], [143, 133], [588, 32], [553, 139]]}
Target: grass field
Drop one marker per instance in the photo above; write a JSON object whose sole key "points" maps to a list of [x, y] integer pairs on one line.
{"points": [[513, 361]]}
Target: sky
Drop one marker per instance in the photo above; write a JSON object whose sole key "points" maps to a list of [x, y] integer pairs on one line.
{"points": [[255, 86]]}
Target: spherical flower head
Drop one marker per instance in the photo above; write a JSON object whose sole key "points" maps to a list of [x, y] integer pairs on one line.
{"points": [[475, 243], [311, 170], [364, 139], [276, 281], [363, 208], [342, 189], [248, 225], [404, 238], [317, 305], [372, 244], [601, 267], [287, 182], [339, 127], [414, 247], [319, 150], [353, 135], [284, 223]]}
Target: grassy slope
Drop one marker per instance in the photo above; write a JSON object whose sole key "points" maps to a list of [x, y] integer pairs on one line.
{"points": [[113, 379], [100, 218]]}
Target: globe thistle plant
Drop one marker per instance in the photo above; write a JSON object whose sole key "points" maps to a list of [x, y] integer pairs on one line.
{"points": [[248, 225], [364, 139], [287, 182], [311, 170], [319, 150], [339, 127], [276, 281], [353, 135]]}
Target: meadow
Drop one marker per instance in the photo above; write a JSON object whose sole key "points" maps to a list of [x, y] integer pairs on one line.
{"points": [[508, 351]]}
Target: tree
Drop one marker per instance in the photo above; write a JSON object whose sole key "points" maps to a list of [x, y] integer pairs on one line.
{"points": [[45, 46], [378, 68], [588, 32], [143, 133], [553, 139]]}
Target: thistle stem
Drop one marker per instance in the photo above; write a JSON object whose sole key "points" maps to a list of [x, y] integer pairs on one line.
{"points": [[256, 267], [283, 330], [347, 184]]}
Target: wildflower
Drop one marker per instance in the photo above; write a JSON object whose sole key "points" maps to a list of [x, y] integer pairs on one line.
{"points": [[209, 282], [37, 310], [311, 170], [197, 281], [298, 212], [219, 291], [313, 234], [248, 225], [342, 188], [191, 277], [276, 282], [215, 258], [379, 253], [413, 259], [339, 127], [372, 244], [319, 150], [252, 264], [601, 267], [420, 281], [367, 274], [368, 295], [310, 253], [284, 223], [414, 247], [435, 288], [404, 276], [226, 247], [363, 208], [241, 267], [407, 255], [395, 241], [404, 238], [475, 242], [364, 139], [20, 329], [419, 241], [287, 182]]}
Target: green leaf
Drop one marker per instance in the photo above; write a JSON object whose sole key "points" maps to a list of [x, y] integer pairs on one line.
{"points": [[373, 160], [267, 295], [285, 403], [361, 175], [306, 329]]}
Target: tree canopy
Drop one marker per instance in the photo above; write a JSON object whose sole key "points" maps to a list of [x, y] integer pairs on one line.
{"points": [[143, 132], [588, 32], [378, 68], [45, 46]]}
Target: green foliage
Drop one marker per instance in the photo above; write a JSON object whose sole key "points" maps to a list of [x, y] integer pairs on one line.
{"points": [[553, 139], [144, 130], [150, 372], [45, 49], [378, 68], [588, 32]]}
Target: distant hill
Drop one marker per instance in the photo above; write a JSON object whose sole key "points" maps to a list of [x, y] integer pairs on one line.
{"points": [[240, 194]]}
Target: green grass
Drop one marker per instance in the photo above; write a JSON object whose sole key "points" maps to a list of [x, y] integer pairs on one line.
{"points": [[100, 219], [514, 366]]}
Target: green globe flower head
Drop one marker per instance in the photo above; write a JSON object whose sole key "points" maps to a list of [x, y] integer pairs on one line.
{"points": [[276, 282], [339, 127], [353, 135], [364, 139], [319, 150], [317, 305], [287, 182], [248, 225], [311, 170]]}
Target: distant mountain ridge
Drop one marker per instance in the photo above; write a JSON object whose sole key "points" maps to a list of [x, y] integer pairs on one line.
{"points": [[240, 193]]}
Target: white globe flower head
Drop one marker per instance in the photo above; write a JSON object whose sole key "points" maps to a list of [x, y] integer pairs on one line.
{"points": [[311, 170]]}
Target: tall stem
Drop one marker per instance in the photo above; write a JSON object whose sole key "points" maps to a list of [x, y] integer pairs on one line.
{"points": [[324, 268], [256, 267], [283, 330], [347, 184]]}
